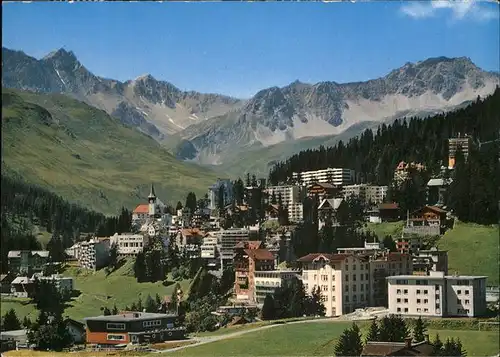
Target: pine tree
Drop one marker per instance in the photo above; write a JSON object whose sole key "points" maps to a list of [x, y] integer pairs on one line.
{"points": [[268, 309], [150, 304], [419, 330], [349, 343], [373, 333], [114, 311], [437, 346], [11, 321]]}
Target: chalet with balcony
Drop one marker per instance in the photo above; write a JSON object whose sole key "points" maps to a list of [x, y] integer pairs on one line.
{"points": [[27, 261], [133, 327], [426, 221], [322, 190]]}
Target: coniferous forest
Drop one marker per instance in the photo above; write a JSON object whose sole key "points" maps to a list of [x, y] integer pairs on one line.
{"points": [[25, 205], [375, 155]]}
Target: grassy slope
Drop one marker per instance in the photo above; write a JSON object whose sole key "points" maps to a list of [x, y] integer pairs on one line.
{"points": [[97, 290], [472, 249], [88, 157], [319, 338]]}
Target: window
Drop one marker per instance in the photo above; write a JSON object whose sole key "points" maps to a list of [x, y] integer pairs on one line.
{"points": [[346, 267], [426, 292], [324, 277], [354, 267], [467, 302], [466, 292], [437, 287], [115, 337], [347, 288], [459, 292], [366, 287], [362, 287], [366, 276], [418, 301], [346, 298], [459, 302], [398, 300], [354, 298], [324, 287], [406, 309], [354, 278], [406, 301], [418, 292], [115, 326], [419, 309], [347, 278], [354, 288], [398, 309], [361, 277], [405, 291], [361, 297], [426, 301], [398, 291], [151, 323], [426, 310]]}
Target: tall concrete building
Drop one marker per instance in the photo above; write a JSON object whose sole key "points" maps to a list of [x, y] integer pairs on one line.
{"points": [[334, 176], [454, 144], [437, 295], [213, 192]]}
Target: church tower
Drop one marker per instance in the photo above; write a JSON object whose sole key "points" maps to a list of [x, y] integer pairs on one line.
{"points": [[152, 201]]}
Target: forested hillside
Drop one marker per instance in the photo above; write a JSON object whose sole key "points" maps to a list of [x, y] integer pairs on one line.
{"points": [[25, 205], [474, 193]]}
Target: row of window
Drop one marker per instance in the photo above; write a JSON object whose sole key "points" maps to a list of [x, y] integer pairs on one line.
{"points": [[466, 302]]}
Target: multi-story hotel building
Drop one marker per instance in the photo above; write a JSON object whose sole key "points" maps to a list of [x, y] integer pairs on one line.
{"points": [[228, 240], [94, 254], [289, 194], [437, 295], [343, 280], [453, 145], [295, 212], [210, 249], [368, 194], [351, 281], [248, 259], [335, 176], [129, 244], [266, 282]]}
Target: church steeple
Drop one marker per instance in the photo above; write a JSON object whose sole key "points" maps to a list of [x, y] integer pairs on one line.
{"points": [[152, 201], [152, 194]]}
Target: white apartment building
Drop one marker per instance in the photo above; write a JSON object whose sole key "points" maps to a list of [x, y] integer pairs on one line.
{"points": [[129, 244], [295, 212], [437, 295], [266, 282], [354, 280], [228, 240], [368, 194], [209, 250], [289, 194], [94, 254], [343, 281], [334, 176]]}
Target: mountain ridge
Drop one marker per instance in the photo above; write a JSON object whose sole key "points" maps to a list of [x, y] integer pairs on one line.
{"points": [[155, 107], [208, 128]]}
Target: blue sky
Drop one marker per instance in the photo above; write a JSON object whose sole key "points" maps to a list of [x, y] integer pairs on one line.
{"points": [[239, 48]]}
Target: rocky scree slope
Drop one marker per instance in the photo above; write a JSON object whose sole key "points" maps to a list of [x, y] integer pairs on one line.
{"points": [[300, 110]]}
